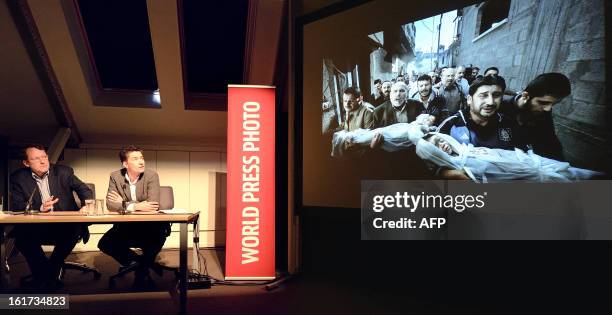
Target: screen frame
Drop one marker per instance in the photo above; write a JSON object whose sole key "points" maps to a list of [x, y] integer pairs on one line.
{"points": [[298, 58], [300, 23]]}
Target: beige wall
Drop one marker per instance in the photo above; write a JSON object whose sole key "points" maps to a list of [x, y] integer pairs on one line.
{"points": [[197, 176]]}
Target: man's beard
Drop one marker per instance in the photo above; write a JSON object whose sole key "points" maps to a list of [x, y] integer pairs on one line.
{"points": [[528, 113], [484, 114], [426, 95], [399, 106]]}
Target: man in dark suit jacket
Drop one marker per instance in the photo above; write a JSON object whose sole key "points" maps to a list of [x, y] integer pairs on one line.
{"points": [[532, 110], [134, 188], [51, 187], [398, 109]]}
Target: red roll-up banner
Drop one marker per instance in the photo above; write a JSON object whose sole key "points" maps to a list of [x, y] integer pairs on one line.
{"points": [[250, 183]]}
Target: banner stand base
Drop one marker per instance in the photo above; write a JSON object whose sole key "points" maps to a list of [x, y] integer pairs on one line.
{"points": [[283, 278]]}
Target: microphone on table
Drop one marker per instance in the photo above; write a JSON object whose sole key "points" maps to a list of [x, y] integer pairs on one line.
{"points": [[124, 203], [28, 207]]}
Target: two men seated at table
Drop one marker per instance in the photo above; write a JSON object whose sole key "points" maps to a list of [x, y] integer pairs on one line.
{"points": [[45, 187], [50, 187]]}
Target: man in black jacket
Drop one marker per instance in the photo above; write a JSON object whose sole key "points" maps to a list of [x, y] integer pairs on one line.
{"points": [[532, 111], [434, 104], [45, 187]]}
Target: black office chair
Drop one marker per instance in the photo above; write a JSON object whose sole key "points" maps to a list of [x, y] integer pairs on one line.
{"points": [[166, 202], [69, 265]]}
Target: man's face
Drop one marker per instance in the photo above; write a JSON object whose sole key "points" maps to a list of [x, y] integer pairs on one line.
{"points": [[424, 87], [378, 86], [37, 160], [448, 77], [386, 89], [475, 72], [399, 79], [491, 73], [460, 73], [398, 94], [485, 101], [542, 104], [350, 102], [135, 162]]}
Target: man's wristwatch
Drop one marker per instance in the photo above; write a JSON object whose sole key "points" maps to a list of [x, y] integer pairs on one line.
{"points": [[125, 205]]}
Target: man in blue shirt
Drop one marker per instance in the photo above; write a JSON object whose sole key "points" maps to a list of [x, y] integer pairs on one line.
{"points": [[481, 125]]}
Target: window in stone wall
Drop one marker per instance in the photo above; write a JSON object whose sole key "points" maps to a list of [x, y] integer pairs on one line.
{"points": [[492, 13]]}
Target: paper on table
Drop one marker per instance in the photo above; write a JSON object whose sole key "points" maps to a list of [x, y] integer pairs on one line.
{"points": [[60, 213], [175, 211], [13, 212], [144, 212]]}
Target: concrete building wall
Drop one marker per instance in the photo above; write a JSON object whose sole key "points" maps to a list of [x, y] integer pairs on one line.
{"points": [[541, 36]]}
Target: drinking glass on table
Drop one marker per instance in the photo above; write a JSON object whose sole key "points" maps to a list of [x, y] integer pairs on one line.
{"points": [[90, 206], [99, 207]]}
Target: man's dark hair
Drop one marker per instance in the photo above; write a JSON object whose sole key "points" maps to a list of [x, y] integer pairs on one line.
{"points": [[424, 77], [377, 81], [553, 84], [123, 153], [24, 152], [491, 68], [475, 68], [353, 91], [488, 80]]}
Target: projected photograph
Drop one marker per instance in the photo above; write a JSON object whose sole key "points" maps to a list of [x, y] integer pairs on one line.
{"points": [[494, 91]]}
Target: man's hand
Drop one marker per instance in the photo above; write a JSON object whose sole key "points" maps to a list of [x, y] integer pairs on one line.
{"points": [[454, 174], [48, 204], [146, 206], [114, 197], [522, 100], [377, 140]]}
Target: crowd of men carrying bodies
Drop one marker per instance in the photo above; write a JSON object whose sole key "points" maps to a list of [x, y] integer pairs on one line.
{"points": [[473, 109]]}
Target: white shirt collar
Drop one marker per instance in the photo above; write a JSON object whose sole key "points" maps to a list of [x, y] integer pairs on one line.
{"points": [[128, 179], [40, 178]]}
